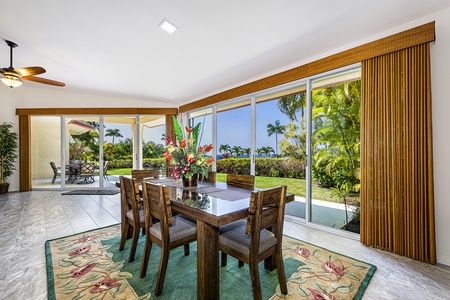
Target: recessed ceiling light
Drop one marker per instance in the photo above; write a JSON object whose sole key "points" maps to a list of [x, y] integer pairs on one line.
{"points": [[167, 26]]}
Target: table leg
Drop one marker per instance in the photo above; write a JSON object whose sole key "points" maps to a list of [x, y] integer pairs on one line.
{"points": [[208, 279]]}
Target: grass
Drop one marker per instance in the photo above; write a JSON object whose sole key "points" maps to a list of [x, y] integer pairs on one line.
{"points": [[294, 186]]}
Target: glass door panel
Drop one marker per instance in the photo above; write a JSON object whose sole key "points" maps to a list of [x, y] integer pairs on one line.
{"points": [[281, 144], [82, 151], [233, 138], [45, 149], [335, 140], [153, 144]]}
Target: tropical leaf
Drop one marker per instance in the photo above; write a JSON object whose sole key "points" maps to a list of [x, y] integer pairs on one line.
{"points": [[69, 283], [358, 267], [303, 292], [353, 276], [122, 275], [91, 277], [195, 135], [65, 263], [77, 296], [343, 288], [178, 129], [64, 275], [143, 297]]}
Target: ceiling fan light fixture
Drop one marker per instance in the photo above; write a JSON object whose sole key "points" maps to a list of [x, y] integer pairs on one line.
{"points": [[167, 26], [11, 79]]}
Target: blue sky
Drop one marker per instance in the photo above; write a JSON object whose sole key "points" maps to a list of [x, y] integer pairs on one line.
{"points": [[233, 127]]}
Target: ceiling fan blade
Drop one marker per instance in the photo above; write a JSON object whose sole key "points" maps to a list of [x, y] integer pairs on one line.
{"points": [[43, 80], [30, 71]]}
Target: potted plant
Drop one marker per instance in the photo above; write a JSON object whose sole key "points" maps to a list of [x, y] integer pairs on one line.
{"points": [[8, 154]]}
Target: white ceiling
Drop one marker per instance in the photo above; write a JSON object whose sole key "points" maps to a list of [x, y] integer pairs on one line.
{"points": [[114, 47]]}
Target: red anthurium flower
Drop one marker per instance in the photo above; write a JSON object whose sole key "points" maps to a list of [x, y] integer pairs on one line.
{"points": [[80, 251], [200, 149], [169, 140], [330, 267], [210, 160], [78, 272], [86, 238], [167, 156], [321, 295], [209, 148], [104, 285], [183, 143], [303, 252]]}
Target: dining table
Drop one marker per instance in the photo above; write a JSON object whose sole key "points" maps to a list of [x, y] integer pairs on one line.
{"points": [[211, 205]]}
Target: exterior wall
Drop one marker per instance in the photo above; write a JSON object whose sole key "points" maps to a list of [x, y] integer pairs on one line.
{"points": [[27, 96]]}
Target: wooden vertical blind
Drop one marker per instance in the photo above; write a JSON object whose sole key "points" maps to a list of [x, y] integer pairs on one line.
{"points": [[397, 197]]}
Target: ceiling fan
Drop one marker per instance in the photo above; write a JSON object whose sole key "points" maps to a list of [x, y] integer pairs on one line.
{"points": [[13, 77]]}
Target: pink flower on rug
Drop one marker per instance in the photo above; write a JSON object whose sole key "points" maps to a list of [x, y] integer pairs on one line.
{"points": [[80, 251], [86, 238], [303, 252], [78, 272], [321, 295], [104, 285], [330, 267]]}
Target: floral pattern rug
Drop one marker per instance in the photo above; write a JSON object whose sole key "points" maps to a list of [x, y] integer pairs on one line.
{"points": [[83, 266]]}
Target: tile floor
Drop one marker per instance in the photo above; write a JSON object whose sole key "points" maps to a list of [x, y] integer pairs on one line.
{"points": [[28, 219]]}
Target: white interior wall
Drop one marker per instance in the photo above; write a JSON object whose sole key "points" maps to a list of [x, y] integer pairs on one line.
{"points": [[26, 96]]}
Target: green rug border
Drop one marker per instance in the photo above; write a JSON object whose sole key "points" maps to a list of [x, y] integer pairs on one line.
{"points": [[51, 284]]}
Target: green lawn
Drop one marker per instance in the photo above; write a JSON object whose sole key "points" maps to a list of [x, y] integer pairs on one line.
{"points": [[294, 186]]}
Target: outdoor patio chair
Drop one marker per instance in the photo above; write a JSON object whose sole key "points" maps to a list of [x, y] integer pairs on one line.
{"points": [[87, 173], [105, 170], [252, 243], [56, 171], [168, 233]]}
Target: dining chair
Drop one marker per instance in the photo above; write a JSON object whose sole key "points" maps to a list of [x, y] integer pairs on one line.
{"points": [[252, 242], [168, 233], [211, 177], [241, 181], [141, 175], [131, 214], [86, 172]]}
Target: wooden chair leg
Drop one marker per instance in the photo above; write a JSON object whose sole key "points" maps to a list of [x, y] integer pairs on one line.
{"points": [[165, 251], [134, 244], [186, 250], [145, 256], [123, 238], [54, 178], [281, 274], [223, 259], [254, 276]]}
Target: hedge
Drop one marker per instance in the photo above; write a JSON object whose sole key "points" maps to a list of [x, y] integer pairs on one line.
{"points": [[269, 167], [146, 162]]}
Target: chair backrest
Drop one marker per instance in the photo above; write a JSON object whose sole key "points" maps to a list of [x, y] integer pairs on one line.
{"points": [[157, 205], [129, 195], [210, 178], [53, 165], [140, 175], [242, 181], [266, 210], [105, 166], [87, 169]]}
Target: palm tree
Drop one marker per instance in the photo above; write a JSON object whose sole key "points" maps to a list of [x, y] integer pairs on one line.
{"points": [[114, 133], [290, 105], [267, 150], [236, 150], [246, 151], [224, 148], [276, 129], [260, 151]]}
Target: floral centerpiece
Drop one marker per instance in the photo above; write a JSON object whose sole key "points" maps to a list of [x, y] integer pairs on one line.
{"points": [[187, 158]]}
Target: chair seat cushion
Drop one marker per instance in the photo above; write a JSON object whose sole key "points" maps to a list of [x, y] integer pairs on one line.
{"points": [[238, 240], [141, 215], [179, 229]]}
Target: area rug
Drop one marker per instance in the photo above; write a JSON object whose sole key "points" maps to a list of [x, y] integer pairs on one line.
{"points": [[89, 266], [93, 192]]}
